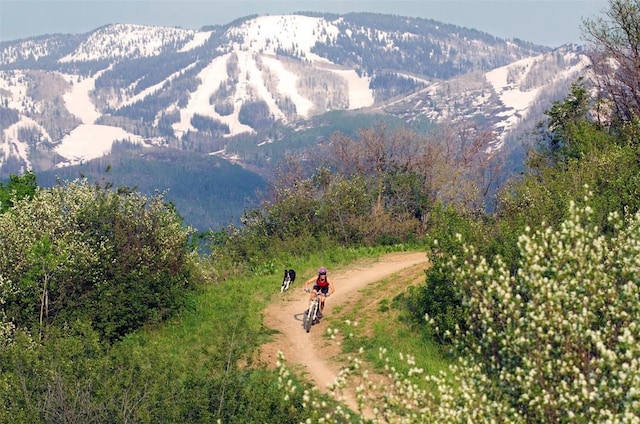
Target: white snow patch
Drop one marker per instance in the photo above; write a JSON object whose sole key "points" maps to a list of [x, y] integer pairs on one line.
{"points": [[88, 142], [78, 102], [198, 39], [127, 40], [211, 77], [11, 144], [287, 84], [256, 83], [510, 94], [15, 82], [359, 93], [294, 33], [517, 101]]}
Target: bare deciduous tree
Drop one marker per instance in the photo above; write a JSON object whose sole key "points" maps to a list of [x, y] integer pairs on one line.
{"points": [[614, 49]]}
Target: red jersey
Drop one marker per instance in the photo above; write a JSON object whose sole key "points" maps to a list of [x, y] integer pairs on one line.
{"points": [[322, 283]]}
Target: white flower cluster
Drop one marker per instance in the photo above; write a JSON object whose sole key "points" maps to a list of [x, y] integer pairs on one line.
{"points": [[558, 341]]}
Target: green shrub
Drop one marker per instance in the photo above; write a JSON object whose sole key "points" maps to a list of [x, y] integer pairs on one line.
{"points": [[118, 259]]}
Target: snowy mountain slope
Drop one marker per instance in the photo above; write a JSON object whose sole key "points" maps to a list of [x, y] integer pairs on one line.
{"points": [[67, 99], [271, 35], [510, 99], [519, 92], [124, 40]]}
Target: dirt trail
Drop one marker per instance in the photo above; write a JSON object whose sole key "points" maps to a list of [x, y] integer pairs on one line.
{"points": [[310, 352]]}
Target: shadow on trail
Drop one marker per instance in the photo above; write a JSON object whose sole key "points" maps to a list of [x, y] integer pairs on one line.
{"points": [[300, 316]]}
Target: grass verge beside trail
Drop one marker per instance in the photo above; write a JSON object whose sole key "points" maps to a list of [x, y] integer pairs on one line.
{"points": [[374, 327], [207, 353], [224, 322]]}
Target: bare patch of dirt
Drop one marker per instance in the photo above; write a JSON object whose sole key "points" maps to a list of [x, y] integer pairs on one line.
{"points": [[312, 355]]}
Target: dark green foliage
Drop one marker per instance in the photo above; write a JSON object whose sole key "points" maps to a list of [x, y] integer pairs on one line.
{"points": [[255, 114], [255, 397], [165, 122], [146, 275], [440, 299], [325, 209], [574, 154], [224, 108], [55, 380], [387, 85], [72, 377], [209, 125], [119, 260], [568, 133], [8, 117], [18, 187]]}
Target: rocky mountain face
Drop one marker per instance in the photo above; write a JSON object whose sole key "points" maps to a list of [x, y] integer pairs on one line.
{"points": [[67, 99]]}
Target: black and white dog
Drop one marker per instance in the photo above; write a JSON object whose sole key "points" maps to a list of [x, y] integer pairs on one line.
{"points": [[289, 277]]}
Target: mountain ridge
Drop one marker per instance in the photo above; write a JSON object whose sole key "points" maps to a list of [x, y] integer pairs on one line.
{"points": [[68, 99]]}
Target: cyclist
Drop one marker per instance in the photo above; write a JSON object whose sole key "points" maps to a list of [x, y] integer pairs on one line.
{"points": [[321, 285]]}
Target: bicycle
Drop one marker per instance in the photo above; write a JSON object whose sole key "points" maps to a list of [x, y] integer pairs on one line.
{"points": [[311, 317]]}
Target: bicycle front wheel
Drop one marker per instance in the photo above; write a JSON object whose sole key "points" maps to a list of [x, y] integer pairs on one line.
{"points": [[307, 320], [310, 316]]}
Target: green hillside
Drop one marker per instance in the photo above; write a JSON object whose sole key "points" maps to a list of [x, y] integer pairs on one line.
{"points": [[209, 192], [527, 314]]}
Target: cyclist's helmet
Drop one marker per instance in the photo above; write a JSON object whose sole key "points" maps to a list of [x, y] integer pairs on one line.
{"points": [[322, 271]]}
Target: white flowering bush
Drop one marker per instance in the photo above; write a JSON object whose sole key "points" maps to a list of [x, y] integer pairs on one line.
{"points": [[6, 326], [556, 341], [559, 339], [81, 251]]}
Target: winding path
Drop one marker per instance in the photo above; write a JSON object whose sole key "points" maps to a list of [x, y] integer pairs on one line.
{"points": [[310, 352]]}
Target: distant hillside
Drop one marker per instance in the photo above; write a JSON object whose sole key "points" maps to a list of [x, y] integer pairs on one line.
{"points": [[258, 89], [209, 192], [67, 98]]}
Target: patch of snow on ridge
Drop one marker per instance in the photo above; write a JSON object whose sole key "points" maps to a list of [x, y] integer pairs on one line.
{"points": [[127, 40], [211, 77], [78, 102], [517, 102], [198, 39], [27, 48], [507, 81], [287, 85], [255, 82], [294, 33], [10, 144], [510, 92], [15, 83], [360, 95]]}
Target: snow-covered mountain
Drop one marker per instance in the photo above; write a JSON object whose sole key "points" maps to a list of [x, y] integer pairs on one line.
{"points": [[66, 99]]}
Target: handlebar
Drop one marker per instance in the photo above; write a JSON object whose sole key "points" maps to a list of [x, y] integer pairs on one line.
{"points": [[317, 292]]}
